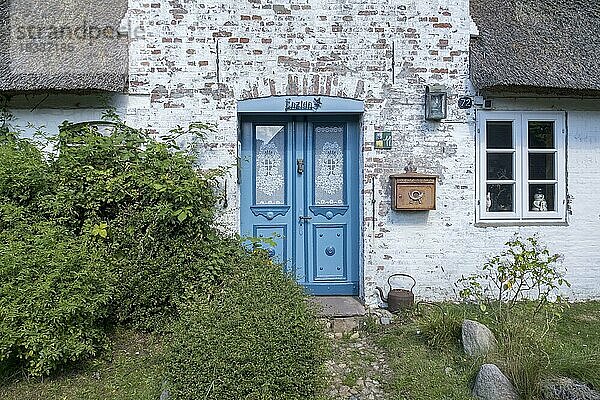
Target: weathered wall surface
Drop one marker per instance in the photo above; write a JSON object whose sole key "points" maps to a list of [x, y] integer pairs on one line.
{"points": [[196, 59]]}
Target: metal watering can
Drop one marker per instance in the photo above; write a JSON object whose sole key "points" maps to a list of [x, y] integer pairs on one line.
{"points": [[398, 298]]}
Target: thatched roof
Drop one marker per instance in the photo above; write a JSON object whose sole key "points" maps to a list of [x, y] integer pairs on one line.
{"points": [[536, 44], [62, 45]]}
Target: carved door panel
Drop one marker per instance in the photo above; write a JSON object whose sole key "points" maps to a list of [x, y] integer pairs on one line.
{"points": [[299, 189]]}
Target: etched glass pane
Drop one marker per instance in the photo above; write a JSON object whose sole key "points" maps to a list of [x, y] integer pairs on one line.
{"points": [[541, 197], [270, 164], [329, 165], [541, 166], [500, 166], [499, 134], [541, 134], [499, 198]]}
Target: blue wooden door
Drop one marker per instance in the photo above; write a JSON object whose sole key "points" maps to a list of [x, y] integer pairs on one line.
{"points": [[299, 187]]}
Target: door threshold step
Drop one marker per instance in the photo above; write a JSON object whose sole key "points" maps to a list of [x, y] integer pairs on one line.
{"points": [[338, 306]]}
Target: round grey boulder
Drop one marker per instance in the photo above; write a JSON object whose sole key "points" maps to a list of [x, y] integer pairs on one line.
{"points": [[492, 384], [477, 339], [567, 389]]}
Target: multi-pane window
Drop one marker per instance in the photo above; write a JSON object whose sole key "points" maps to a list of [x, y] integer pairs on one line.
{"points": [[521, 166]]}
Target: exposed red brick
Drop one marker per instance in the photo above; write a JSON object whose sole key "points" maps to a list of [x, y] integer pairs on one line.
{"points": [[442, 25]]}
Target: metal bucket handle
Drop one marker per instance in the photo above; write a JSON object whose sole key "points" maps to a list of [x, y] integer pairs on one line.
{"points": [[413, 279]]}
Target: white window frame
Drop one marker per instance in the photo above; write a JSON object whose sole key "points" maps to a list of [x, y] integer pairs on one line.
{"points": [[520, 122]]}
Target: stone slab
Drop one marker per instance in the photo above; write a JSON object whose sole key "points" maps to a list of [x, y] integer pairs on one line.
{"points": [[338, 306]]}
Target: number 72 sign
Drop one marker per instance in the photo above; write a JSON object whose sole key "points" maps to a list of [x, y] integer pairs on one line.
{"points": [[465, 102]]}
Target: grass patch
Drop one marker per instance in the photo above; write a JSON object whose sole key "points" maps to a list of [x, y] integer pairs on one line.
{"points": [[428, 362], [132, 371], [576, 352]]}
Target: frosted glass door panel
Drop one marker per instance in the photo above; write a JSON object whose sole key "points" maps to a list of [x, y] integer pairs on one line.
{"points": [[269, 144], [329, 161]]}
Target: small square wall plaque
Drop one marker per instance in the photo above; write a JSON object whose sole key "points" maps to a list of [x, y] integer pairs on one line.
{"points": [[383, 140]]}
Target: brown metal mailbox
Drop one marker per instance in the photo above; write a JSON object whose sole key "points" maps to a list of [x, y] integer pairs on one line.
{"points": [[413, 191]]}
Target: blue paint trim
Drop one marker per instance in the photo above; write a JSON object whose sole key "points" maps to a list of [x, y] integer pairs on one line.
{"points": [[332, 289], [324, 210], [277, 104], [269, 211]]}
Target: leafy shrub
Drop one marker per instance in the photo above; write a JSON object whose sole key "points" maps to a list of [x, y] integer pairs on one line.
{"points": [[23, 171], [54, 295], [525, 271], [152, 208], [518, 293], [114, 224], [257, 339]]}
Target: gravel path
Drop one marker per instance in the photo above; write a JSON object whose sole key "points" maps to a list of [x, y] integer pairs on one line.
{"points": [[357, 368]]}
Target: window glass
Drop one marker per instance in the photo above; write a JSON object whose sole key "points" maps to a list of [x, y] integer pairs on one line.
{"points": [[541, 166], [270, 164], [499, 198], [499, 135], [500, 166], [329, 165], [541, 134], [541, 197]]}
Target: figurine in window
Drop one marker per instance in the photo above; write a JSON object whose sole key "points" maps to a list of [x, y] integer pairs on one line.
{"points": [[539, 202], [488, 201]]}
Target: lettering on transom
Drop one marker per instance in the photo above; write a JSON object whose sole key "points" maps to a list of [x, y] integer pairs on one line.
{"points": [[303, 105]]}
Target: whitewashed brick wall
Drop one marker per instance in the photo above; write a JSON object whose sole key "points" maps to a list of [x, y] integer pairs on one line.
{"points": [[196, 59]]}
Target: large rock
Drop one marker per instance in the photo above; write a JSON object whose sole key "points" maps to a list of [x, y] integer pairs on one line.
{"points": [[491, 384], [477, 338], [567, 389], [344, 325]]}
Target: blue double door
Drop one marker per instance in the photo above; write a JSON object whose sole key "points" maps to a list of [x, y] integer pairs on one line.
{"points": [[300, 190]]}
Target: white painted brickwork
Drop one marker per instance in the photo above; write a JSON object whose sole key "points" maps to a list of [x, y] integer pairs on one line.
{"points": [[330, 48], [196, 59]]}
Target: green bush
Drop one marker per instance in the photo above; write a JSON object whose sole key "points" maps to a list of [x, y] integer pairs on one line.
{"points": [[23, 171], [112, 225], [258, 339], [153, 210], [525, 271], [54, 295]]}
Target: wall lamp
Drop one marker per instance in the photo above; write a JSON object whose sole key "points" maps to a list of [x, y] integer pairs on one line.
{"points": [[436, 102]]}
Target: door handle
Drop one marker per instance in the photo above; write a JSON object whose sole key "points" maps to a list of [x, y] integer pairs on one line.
{"points": [[300, 164], [303, 219]]}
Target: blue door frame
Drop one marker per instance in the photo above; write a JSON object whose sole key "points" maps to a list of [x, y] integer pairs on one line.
{"points": [[300, 186]]}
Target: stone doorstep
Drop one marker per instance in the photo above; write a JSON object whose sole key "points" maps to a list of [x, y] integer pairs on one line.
{"points": [[338, 306], [341, 314]]}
